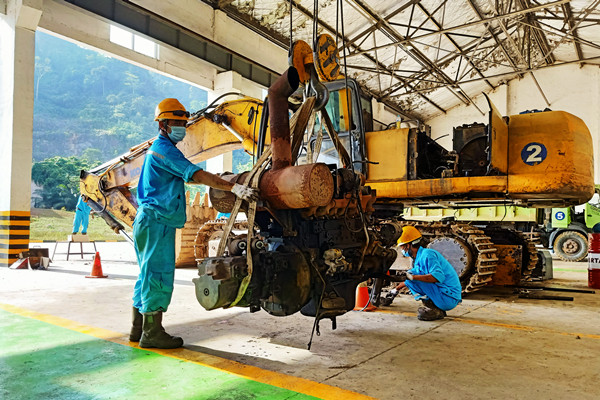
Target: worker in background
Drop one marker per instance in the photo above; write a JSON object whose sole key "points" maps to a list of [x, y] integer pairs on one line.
{"points": [[432, 279], [82, 216], [223, 215], [161, 200]]}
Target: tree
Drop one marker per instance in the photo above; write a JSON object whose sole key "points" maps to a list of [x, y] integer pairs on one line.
{"points": [[98, 75], [41, 69], [59, 181], [93, 156], [242, 161]]}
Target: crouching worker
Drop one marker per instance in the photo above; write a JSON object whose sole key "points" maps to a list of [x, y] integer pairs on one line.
{"points": [[432, 279], [161, 199]]}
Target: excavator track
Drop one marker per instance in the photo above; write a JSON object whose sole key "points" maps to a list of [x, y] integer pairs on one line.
{"points": [[479, 256], [533, 256], [514, 237]]}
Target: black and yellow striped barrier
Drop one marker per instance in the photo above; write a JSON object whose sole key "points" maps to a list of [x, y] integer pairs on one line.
{"points": [[14, 235]]}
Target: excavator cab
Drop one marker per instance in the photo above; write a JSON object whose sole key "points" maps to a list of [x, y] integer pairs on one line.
{"points": [[347, 124]]}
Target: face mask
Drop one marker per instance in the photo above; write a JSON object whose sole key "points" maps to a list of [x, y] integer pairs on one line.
{"points": [[177, 133], [405, 253]]}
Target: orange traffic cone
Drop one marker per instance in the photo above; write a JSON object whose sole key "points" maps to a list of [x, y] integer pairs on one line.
{"points": [[97, 268], [362, 298]]}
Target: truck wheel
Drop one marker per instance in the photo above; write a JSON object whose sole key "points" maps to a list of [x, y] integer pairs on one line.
{"points": [[571, 246]]}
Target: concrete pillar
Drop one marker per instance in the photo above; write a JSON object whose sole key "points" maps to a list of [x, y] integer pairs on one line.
{"points": [[226, 82], [220, 163], [17, 61], [231, 81]]}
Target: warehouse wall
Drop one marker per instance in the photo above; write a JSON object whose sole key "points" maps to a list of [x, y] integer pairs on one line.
{"points": [[568, 88]]}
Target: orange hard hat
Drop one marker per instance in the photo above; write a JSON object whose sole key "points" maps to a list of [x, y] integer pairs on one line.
{"points": [[410, 234], [171, 109]]}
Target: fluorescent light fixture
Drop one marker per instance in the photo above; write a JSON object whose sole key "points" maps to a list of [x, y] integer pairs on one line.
{"points": [[133, 42], [121, 37], [144, 46]]}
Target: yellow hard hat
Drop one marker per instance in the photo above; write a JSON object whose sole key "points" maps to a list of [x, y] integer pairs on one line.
{"points": [[410, 234], [170, 109]]}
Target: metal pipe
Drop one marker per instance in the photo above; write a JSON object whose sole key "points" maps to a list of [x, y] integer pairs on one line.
{"points": [[540, 89], [233, 131], [262, 129], [279, 120]]}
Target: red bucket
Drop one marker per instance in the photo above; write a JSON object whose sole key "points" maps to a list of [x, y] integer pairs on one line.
{"points": [[594, 261], [594, 278], [594, 243]]}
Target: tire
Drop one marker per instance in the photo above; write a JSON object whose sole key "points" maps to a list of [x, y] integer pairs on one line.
{"points": [[571, 246]]}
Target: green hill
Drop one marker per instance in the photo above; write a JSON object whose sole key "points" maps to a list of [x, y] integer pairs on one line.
{"points": [[88, 104]]}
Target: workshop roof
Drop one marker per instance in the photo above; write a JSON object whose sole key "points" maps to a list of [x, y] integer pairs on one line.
{"points": [[426, 56]]}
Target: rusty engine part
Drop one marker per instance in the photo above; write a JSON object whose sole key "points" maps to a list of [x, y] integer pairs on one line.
{"points": [[279, 120]]}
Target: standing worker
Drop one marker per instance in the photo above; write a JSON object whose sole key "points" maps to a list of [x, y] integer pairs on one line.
{"points": [[432, 279], [82, 216], [161, 200]]}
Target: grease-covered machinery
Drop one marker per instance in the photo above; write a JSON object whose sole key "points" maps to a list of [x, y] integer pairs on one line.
{"points": [[332, 190]]}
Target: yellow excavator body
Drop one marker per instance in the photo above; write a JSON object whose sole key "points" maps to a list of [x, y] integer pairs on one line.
{"points": [[540, 159], [567, 171]]}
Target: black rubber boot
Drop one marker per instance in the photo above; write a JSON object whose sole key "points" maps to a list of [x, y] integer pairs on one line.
{"points": [[430, 312], [136, 325], [154, 334]]}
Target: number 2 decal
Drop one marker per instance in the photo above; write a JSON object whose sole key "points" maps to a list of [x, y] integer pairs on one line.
{"points": [[533, 153]]}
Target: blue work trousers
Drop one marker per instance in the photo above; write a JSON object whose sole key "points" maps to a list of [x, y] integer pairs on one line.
{"points": [[155, 249], [432, 291], [81, 219]]}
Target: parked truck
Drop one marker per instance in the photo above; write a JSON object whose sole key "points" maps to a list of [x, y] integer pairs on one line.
{"points": [[564, 230], [569, 229]]}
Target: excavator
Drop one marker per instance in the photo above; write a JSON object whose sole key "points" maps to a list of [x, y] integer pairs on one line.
{"points": [[333, 189]]}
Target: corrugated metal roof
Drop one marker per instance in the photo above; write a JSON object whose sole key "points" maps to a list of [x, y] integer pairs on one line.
{"points": [[424, 57]]}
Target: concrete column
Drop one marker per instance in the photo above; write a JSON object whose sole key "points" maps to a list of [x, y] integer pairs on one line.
{"points": [[226, 82], [231, 81], [17, 61], [220, 163]]}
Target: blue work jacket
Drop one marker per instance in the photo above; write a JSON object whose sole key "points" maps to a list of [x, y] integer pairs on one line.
{"points": [[161, 190], [429, 261], [82, 206]]}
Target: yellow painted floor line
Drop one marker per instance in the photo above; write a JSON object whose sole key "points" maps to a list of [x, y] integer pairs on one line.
{"points": [[257, 374], [501, 325]]}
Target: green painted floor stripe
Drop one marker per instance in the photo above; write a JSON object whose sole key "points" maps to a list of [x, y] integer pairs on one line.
{"points": [[223, 365], [44, 361], [570, 269]]}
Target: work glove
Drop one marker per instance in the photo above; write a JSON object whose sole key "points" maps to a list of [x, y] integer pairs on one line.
{"points": [[394, 292], [244, 192]]}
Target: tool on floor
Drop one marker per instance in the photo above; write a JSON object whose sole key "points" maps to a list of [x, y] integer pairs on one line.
{"points": [[34, 258], [556, 289], [389, 298], [526, 294], [97, 268]]}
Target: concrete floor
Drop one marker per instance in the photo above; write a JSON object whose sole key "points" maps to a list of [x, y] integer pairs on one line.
{"points": [[494, 345]]}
